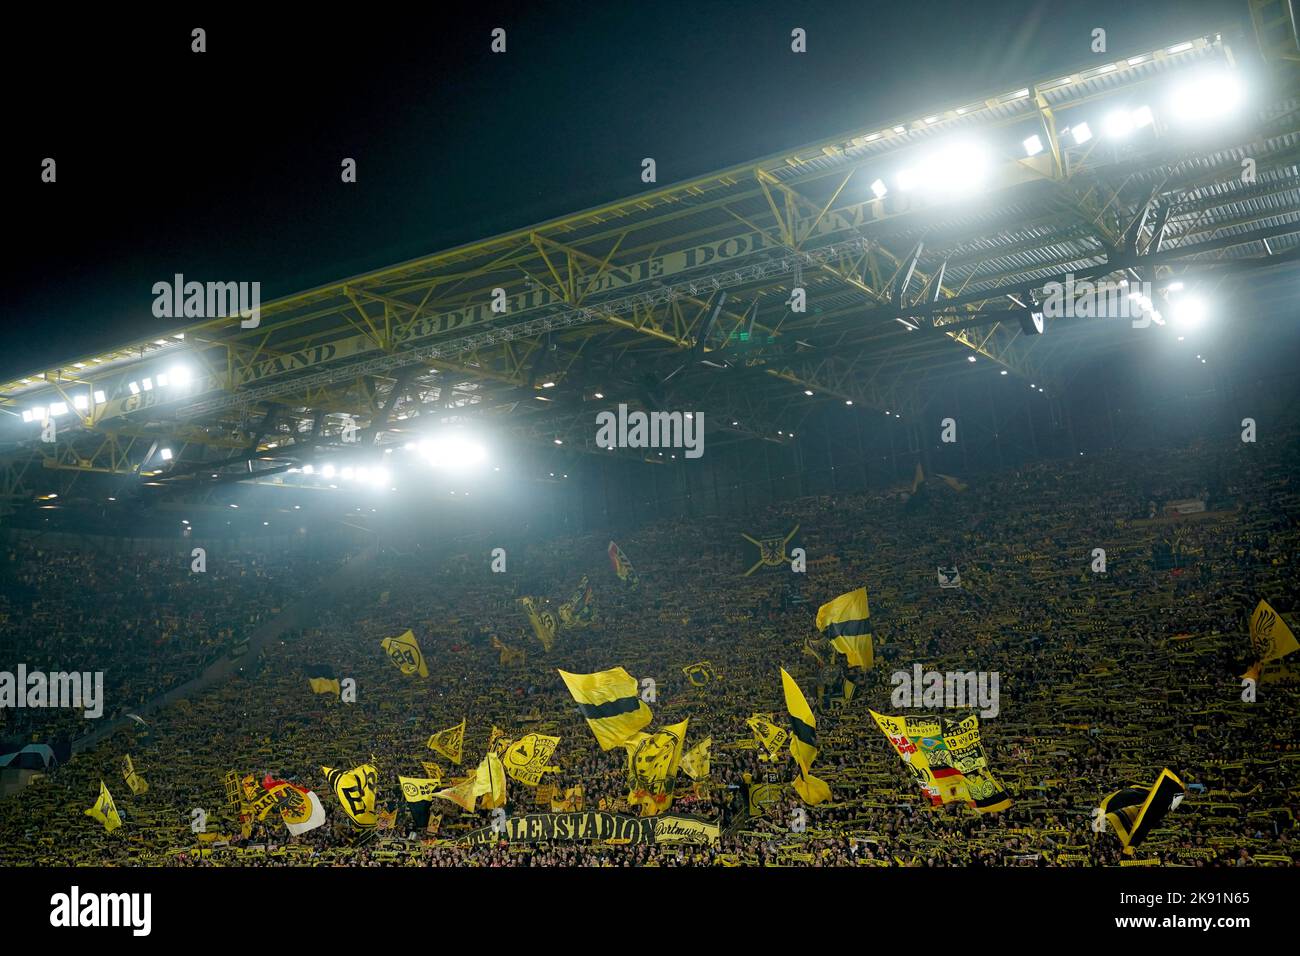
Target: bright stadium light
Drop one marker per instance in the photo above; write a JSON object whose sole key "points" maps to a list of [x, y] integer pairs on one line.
{"points": [[309, 469], [1118, 124], [1081, 133], [166, 454], [27, 415], [453, 452], [147, 384], [80, 402], [957, 168], [134, 387], [347, 473], [1188, 313], [1209, 96], [328, 471], [100, 397], [879, 188], [163, 380], [1033, 145], [57, 409]]}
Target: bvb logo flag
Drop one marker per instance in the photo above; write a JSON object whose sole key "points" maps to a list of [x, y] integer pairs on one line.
{"points": [[405, 654], [1135, 811], [803, 743], [772, 553], [696, 761], [419, 793], [1270, 638], [768, 734], [355, 789], [846, 622], [611, 704], [104, 810], [543, 621], [527, 758], [948, 575], [700, 673], [965, 749], [133, 780], [623, 567], [450, 742], [432, 772], [652, 761]]}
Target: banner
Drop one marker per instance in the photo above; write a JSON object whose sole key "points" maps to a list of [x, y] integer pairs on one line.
{"points": [[675, 829], [762, 796], [652, 762], [404, 652], [595, 826], [770, 552]]}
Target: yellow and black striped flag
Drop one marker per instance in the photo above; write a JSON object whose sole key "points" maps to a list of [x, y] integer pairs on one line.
{"points": [[1135, 811], [322, 679], [355, 790], [610, 703], [803, 742], [846, 622], [404, 652]]}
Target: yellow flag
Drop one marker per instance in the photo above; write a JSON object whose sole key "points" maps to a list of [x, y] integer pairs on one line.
{"points": [[1135, 811], [696, 761], [610, 703], [543, 621], [134, 781], [461, 792], [527, 758], [404, 652], [803, 742], [432, 771], [768, 734], [104, 810], [1270, 638], [845, 621], [490, 782], [449, 742], [652, 762], [355, 790]]}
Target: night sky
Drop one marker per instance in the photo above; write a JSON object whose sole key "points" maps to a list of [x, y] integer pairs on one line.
{"points": [[225, 165]]}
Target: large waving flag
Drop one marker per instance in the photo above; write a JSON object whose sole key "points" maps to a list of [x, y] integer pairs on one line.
{"points": [[846, 622], [696, 761], [1270, 638], [104, 810], [490, 782], [610, 703], [300, 808], [134, 780], [404, 652], [1135, 811], [767, 733], [623, 567], [355, 790], [652, 762], [803, 742]]}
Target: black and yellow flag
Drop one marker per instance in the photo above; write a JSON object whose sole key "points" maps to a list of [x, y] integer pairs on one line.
{"points": [[845, 621], [449, 742], [432, 772], [610, 703], [772, 551], [404, 652], [461, 792], [509, 655], [134, 781], [355, 790], [419, 793], [1135, 811], [767, 733], [803, 742], [527, 758], [1270, 638], [652, 762], [700, 673], [580, 610], [543, 620], [695, 762], [322, 679], [104, 810]]}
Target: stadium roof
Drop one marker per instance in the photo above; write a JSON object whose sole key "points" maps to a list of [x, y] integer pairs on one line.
{"points": [[925, 244]]}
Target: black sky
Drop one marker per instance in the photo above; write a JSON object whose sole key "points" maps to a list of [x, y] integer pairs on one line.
{"points": [[226, 164]]}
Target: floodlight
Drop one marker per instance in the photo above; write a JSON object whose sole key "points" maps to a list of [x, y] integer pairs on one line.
{"points": [[1033, 145], [1081, 133], [1207, 97], [879, 188]]}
